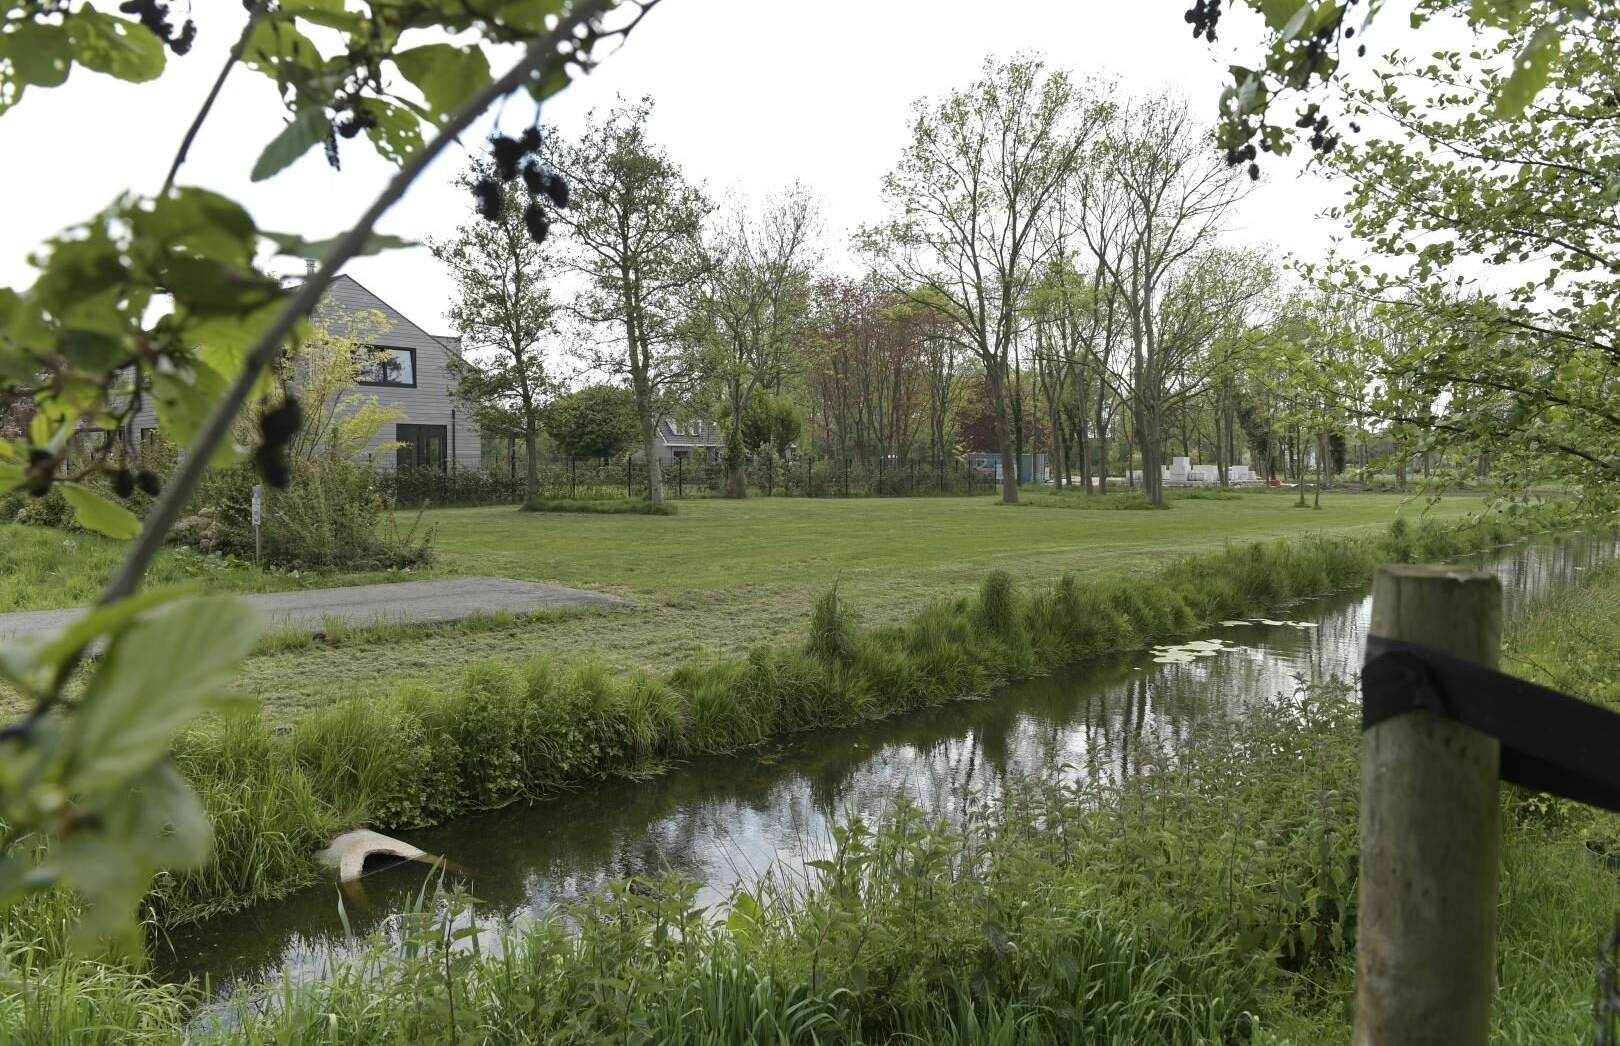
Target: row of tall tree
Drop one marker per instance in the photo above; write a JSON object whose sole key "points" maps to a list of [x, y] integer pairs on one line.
{"points": [[1053, 261]]}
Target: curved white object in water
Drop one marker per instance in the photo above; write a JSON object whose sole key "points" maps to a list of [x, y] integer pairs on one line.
{"points": [[346, 856]]}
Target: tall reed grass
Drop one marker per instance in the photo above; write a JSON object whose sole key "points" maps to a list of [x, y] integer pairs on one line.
{"points": [[1209, 898]]}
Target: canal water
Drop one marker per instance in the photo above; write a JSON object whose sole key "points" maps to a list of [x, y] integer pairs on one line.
{"points": [[725, 821]]}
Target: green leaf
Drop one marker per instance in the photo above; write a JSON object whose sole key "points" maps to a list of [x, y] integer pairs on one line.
{"points": [[528, 15], [1532, 68], [157, 675], [124, 49], [111, 878], [183, 402], [328, 13], [1279, 13], [307, 129], [160, 818], [94, 512], [40, 54], [200, 222], [98, 622], [51, 426], [446, 75], [397, 133], [298, 247]]}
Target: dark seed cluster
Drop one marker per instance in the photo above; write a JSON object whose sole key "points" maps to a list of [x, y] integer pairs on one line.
{"points": [[1312, 121], [154, 15], [512, 158], [1305, 59], [125, 482], [1203, 16], [41, 472], [277, 427]]}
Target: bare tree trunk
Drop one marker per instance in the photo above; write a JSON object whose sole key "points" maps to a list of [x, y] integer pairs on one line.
{"points": [[1102, 439], [649, 448], [1009, 465], [1321, 464], [531, 467]]}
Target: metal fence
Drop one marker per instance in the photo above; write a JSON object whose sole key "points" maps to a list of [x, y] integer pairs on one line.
{"points": [[685, 478]]}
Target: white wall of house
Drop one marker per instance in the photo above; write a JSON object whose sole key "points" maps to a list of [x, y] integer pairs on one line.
{"points": [[425, 400], [429, 400]]}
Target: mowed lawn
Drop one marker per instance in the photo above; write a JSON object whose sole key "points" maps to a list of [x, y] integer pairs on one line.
{"points": [[722, 575]]}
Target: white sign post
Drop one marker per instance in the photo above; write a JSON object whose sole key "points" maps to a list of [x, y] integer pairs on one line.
{"points": [[258, 513]]}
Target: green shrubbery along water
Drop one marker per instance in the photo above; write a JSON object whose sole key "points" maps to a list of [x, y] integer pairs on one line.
{"points": [[507, 732], [1208, 898]]}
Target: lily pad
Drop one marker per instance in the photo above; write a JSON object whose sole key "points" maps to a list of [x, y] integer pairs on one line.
{"points": [[1190, 651]]}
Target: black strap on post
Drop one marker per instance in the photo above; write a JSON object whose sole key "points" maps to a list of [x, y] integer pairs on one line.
{"points": [[1550, 741]]}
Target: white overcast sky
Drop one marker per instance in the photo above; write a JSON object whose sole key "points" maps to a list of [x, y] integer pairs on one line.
{"points": [[750, 95]]}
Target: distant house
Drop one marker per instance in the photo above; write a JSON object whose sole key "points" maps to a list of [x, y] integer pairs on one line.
{"points": [[687, 439], [1031, 467], [436, 432]]}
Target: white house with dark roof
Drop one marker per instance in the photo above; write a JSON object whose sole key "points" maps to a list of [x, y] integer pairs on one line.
{"points": [[692, 439], [414, 376]]}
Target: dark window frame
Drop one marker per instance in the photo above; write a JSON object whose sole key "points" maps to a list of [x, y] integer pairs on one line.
{"points": [[392, 384], [407, 433]]}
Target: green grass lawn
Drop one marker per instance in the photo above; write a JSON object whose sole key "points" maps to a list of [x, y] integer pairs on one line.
{"points": [[723, 575], [718, 577], [42, 568]]}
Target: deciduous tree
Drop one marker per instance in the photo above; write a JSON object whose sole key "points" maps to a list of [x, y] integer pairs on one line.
{"points": [[503, 309], [966, 200], [636, 225], [598, 421]]}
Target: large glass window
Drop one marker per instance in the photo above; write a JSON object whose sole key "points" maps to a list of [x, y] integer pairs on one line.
{"points": [[421, 447], [386, 366]]}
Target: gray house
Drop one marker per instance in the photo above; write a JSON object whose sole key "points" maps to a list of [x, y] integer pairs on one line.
{"points": [[693, 440], [413, 376]]}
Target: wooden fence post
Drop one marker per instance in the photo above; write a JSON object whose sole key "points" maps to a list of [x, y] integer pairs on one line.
{"points": [[1430, 831]]}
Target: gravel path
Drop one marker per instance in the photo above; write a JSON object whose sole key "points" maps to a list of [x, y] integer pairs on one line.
{"points": [[407, 602]]}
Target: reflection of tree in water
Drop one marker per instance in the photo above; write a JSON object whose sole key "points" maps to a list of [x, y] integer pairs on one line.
{"points": [[730, 819]]}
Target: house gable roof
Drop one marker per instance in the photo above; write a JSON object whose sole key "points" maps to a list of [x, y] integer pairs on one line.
{"points": [[346, 295], [707, 436]]}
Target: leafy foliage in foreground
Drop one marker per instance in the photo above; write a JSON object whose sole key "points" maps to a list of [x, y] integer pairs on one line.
{"points": [[158, 297]]}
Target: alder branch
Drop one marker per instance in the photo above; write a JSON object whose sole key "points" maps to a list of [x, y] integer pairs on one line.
{"points": [[213, 95]]}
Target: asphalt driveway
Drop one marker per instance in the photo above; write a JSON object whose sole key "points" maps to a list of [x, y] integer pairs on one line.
{"points": [[407, 602]]}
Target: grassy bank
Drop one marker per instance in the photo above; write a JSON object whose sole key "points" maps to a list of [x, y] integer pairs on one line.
{"points": [[514, 730], [716, 580], [724, 576], [1210, 898]]}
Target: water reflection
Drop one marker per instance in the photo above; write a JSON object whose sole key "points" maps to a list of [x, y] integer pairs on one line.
{"points": [[728, 820]]}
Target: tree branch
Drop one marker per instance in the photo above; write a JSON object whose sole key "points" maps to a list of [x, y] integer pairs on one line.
{"points": [[213, 95]]}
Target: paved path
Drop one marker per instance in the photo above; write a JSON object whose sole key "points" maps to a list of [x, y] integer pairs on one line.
{"points": [[407, 602]]}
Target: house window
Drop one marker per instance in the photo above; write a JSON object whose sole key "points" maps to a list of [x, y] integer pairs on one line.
{"points": [[421, 447], [387, 366]]}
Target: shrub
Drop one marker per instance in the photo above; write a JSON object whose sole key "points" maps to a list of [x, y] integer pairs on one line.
{"points": [[412, 487]]}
